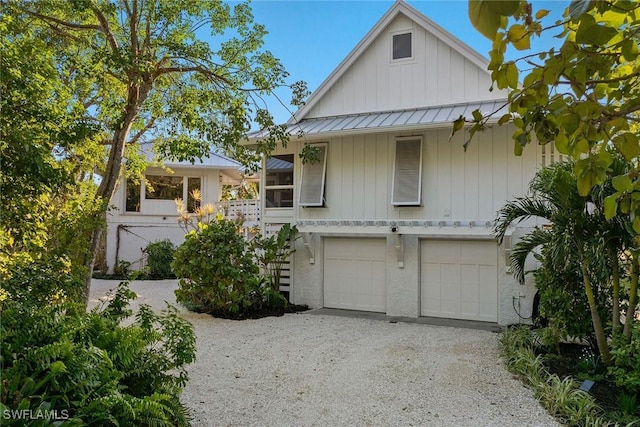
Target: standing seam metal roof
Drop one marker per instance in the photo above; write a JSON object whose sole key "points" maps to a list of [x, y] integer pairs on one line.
{"points": [[392, 120]]}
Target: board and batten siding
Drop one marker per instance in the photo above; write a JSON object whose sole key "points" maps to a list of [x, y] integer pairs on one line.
{"points": [[456, 185], [437, 75]]}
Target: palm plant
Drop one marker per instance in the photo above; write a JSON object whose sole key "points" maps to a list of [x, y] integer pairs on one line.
{"points": [[574, 233]]}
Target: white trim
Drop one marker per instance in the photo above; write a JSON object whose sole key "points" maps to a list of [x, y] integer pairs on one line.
{"points": [[418, 201], [321, 200], [265, 187], [407, 59]]}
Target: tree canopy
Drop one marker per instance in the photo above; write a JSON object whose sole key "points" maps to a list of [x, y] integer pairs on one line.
{"points": [[110, 74], [583, 96]]}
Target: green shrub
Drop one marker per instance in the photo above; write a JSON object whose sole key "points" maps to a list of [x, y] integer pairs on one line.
{"points": [[36, 281], [218, 275], [121, 269], [159, 258], [625, 370], [562, 298], [90, 369], [272, 252]]}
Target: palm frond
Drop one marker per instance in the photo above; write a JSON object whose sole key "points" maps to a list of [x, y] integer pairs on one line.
{"points": [[525, 246], [519, 210]]}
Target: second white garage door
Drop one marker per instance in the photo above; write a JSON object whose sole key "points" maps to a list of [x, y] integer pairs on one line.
{"points": [[355, 274], [459, 279]]}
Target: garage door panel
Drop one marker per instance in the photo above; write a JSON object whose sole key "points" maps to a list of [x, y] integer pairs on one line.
{"points": [[449, 273], [459, 279], [355, 274]]}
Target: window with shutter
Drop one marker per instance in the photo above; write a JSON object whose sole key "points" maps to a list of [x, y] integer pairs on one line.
{"points": [[407, 172], [312, 181]]}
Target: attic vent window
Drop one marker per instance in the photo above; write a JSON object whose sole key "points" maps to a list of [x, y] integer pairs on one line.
{"points": [[402, 46]]}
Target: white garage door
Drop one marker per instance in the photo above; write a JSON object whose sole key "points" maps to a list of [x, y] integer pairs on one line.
{"points": [[459, 279], [355, 274]]}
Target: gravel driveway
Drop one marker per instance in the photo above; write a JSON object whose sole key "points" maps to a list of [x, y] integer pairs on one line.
{"points": [[311, 369]]}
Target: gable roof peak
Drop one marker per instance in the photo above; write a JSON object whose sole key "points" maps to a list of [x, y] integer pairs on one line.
{"points": [[398, 7]]}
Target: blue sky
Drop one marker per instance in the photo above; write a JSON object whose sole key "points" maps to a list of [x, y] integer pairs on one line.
{"points": [[311, 37]]}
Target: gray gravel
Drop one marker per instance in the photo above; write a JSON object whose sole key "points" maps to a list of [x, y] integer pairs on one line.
{"points": [[308, 369]]}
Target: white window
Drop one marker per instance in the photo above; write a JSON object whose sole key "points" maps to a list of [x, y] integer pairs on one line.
{"points": [[312, 182], [278, 185], [163, 188], [402, 45], [132, 202], [407, 172]]}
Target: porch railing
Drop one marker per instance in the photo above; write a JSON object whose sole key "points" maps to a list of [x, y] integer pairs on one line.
{"points": [[248, 209]]}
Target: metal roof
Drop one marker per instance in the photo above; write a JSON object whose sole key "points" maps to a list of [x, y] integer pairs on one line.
{"points": [[276, 163], [436, 116], [212, 160]]}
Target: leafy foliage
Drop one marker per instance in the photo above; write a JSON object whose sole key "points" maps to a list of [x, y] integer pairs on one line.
{"points": [[626, 362], [583, 256], [97, 78], [91, 368], [273, 252], [561, 397], [581, 97], [218, 275], [159, 258]]}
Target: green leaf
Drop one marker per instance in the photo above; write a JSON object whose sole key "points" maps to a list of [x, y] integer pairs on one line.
{"points": [[622, 183], [519, 36], [504, 7], [636, 224], [594, 34], [562, 144], [512, 75], [592, 171], [484, 18], [504, 119], [517, 148], [628, 145], [57, 367], [610, 206], [630, 50], [458, 124], [541, 13]]}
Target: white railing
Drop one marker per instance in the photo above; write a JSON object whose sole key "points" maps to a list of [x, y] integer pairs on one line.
{"points": [[248, 209]]}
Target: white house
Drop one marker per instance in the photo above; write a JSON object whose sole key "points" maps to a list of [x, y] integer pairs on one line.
{"points": [[397, 217], [146, 212]]}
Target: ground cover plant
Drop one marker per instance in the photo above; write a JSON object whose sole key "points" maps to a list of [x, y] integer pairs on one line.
{"points": [[557, 374], [88, 368]]}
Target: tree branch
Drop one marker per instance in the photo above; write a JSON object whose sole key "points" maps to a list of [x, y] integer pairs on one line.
{"points": [[139, 134], [104, 27], [71, 25], [133, 27], [605, 81], [192, 69]]}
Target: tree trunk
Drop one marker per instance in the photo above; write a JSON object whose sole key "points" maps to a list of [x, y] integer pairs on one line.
{"points": [[616, 289], [136, 96], [598, 328], [633, 297]]}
